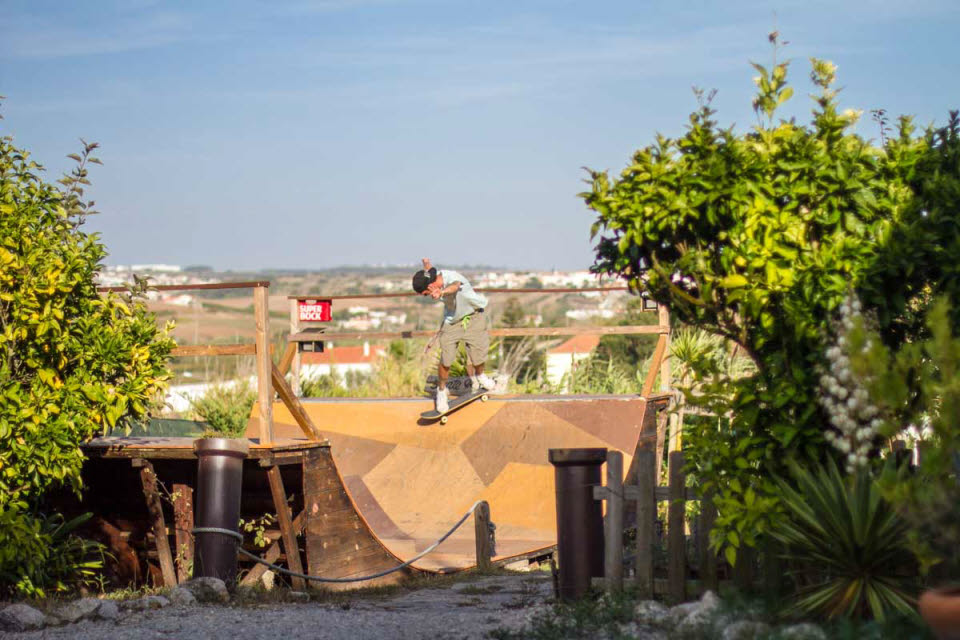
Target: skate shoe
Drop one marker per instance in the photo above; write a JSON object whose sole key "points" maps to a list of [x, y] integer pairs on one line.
{"points": [[486, 382], [443, 401]]}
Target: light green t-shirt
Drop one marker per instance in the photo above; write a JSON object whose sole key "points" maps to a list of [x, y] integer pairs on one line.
{"points": [[464, 302]]}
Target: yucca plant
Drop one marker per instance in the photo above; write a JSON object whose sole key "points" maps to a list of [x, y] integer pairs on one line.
{"points": [[843, 534]]}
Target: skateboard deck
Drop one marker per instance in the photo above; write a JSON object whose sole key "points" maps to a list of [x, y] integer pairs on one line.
{"points": [[455, 403]]}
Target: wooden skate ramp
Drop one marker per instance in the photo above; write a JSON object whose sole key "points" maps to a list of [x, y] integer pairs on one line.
{"points": [[411, 482]]}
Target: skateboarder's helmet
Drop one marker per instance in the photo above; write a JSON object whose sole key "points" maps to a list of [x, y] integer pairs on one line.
{"points": [[422, 279]]}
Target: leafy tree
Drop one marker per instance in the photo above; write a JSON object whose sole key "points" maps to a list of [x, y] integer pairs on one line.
{"points": [[73, 363], [758, 237]]}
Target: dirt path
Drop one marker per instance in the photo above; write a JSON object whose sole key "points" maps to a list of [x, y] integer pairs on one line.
{"points": [[466, 609]]}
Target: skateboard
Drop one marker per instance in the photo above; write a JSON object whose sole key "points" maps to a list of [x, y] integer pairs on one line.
{"points": [[455, 403]]}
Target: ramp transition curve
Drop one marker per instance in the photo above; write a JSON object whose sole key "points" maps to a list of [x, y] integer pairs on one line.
{"points": [[409, 482]]}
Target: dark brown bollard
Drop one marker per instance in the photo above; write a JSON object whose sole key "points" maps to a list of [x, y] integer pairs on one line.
{"points": [[219, 479], [579, 519]]}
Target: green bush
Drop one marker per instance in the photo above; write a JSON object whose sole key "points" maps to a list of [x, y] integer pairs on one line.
{"points": [[225, 408], [73, 363], [758, 237]]}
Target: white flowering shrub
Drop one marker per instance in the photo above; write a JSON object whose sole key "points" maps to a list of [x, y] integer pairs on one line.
{"points": [[846, 386]]}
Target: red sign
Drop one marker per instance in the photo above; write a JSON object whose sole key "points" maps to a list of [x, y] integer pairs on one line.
{"points": [[314, 310]]}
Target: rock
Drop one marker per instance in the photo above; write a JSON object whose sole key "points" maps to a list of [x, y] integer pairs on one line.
{"points": [[804, 631], [109, 610], [745, 630], [678, 613], [181, 597], [298, 596], [77, 610], [268, 579], [146, 603], [650, 612], [208, 589], [701, 618], [21, 617]]}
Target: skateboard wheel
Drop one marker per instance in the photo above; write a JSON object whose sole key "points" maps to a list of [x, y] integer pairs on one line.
{"points": [[443, 420], [484, 398]]}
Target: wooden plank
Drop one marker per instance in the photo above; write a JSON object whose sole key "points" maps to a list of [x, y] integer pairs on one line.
{"points": [[642, 329], [264, 364], [293, 353], [328, 508], [655, 363], [148, 479], [195, 287], [708, 559], [271, 555], [293, 404], [646, 522], [613, 546], [663, 421], [676, 531], [360, 296], [183, 529], [481, 530], [214, 350], [287, 534]]}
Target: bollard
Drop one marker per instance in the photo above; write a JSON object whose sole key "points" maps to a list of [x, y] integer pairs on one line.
{"points": [[219, 480], [579, 519]]}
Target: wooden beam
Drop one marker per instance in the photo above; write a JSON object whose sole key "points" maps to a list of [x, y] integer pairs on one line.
{"points": [[183, 529], [646, 522], [288, 358], [643, 329], [264, 364], [676, 531], [360, 296], [290, 547], [613, 548], [194, 287], [293, 405], [658, 352], [214, 350], [291, 357], [148, 479], [481, 529]]}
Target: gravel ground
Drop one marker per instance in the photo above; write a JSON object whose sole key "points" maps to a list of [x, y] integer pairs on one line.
{"points": [[465, 609]]}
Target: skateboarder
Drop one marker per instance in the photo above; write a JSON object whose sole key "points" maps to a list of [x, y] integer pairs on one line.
{"points": [[463, 321]]}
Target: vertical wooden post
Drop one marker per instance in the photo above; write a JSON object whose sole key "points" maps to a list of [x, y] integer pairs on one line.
{"points": [[295, 363], [613, 547], [676, 531], [290, 548], [183, 529], [708, 559], [148, 478], [743, 574], [646, 522], [481, 528], [264, 364]]}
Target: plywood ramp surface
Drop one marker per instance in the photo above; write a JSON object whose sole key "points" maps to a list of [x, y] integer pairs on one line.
{"points": [[411, 482]]}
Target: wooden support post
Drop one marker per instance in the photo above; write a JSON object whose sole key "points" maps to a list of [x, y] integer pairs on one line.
{"points": [[663, 421], [293, 404], [665, 380], [676, 531], [481, 528], [183, 530], [708, 559], [286, 360], [264, 364], [272, 554], [148, 478], [290, 547], [656, 363], [613, 547], [646, 522], [294, 363]]}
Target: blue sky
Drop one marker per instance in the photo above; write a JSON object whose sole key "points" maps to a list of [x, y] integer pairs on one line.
{"points": [[315, 133]]}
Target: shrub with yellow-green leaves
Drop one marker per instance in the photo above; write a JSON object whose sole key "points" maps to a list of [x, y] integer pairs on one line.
{"points": [[73, 363]]}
